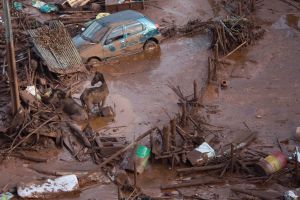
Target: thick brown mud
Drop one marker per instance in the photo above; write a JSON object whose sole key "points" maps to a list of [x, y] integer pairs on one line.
{"points": [[138, 87], [263, 81]]}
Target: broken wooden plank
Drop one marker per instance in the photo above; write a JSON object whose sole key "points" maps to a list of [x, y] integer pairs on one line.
{"points": [[182, 133], [198, 169], [234, 50], [79, 134], [184, 114], [227, 30], [166, 138], [196, 91], [173, 131], [32, 158], [195, 182], [241, 145], [115, 155], [260, 194], [110, 145]]}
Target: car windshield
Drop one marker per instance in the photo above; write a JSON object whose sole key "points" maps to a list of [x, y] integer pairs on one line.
{"points": [[94, 32]]}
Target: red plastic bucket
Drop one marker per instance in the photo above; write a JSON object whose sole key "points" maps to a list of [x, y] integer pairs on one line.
{"points": [[272, 163]]}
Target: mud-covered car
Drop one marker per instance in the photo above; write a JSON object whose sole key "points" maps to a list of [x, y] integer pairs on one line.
{"points": [[118, 34]]}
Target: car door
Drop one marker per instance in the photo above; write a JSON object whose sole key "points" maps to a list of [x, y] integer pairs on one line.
{"points": [[133, 32], [114, 44]]}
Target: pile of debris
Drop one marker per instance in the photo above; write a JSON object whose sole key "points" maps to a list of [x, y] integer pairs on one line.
{"points": [[189, 140], [55, 47], [239, 7], [234, 31], [191, 27], [45, 96], [20, 23], [47, 112], [50, 115]]}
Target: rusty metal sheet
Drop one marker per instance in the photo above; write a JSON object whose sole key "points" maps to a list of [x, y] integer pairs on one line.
{"points": [[54, 45]]}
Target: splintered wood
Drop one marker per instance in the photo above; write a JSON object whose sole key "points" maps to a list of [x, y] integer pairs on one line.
{"points": [[232, 32], [191, 27], [240, 7]]}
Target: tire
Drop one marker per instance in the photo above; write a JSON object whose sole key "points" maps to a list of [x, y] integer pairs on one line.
{"points": [[150, 45], [93, 61]]}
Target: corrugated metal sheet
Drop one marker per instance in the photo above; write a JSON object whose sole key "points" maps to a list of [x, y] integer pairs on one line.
{"points": [[57, 50]]}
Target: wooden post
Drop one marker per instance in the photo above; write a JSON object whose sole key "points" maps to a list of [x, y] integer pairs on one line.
{"points": [[252, 5], [119, 193], [196, 91], [166, 138], [135, 174], [143, 4], [240, 8], [209, 71], [296, 165], [215, 77], [173, 131], [151, 146], [173, 161], [224, 39], [184, 114], [216, 52], [232, 157], [11, 59]]}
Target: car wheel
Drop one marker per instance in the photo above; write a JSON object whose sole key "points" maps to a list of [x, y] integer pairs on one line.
{"points": [[93, 61], [150, 45]]}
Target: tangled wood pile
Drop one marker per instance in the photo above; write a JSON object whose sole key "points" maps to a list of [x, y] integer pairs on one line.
{"points": [[236, 160], [20, 23], [192, 26], [232, 32], [239, 7], [39, 121], [4, 89]]}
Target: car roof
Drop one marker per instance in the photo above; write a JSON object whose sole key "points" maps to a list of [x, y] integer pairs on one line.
{"points": [[119, 17]]}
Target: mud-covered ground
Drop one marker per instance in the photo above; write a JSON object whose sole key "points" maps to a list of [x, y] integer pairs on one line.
{"points": [[263, 91]]}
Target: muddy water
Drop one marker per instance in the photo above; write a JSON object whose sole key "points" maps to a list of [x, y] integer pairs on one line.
{"points": [[215, 7], [138, 87], [287, 22], [131, 64], [140, 97], [152, 179], [103, 192], [293, 21], [271, 90], [138, 84], [97, 123], [179, 11]]}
